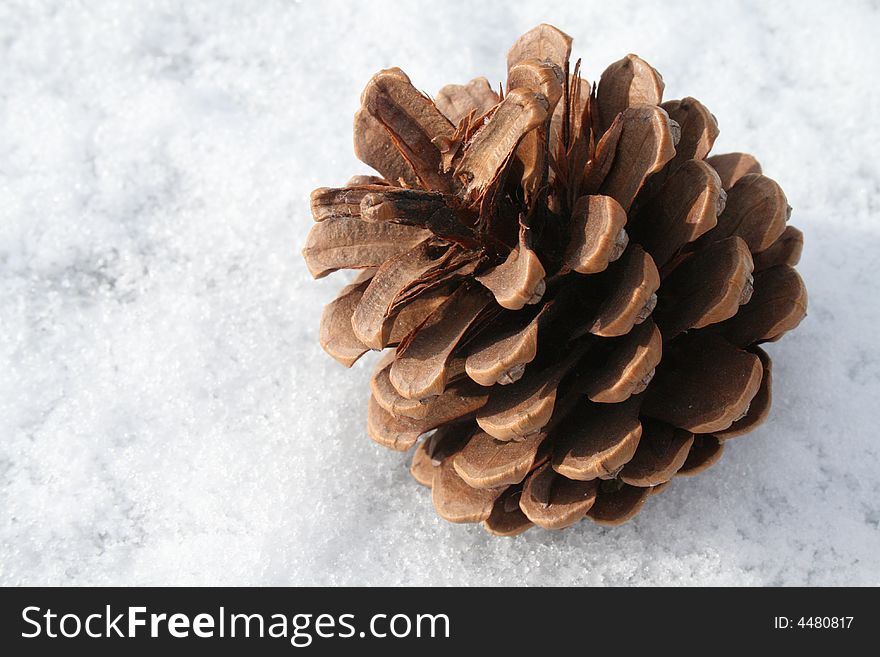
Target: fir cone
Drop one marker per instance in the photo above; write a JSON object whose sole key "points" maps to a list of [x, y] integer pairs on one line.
{"points": [[571, 291]]}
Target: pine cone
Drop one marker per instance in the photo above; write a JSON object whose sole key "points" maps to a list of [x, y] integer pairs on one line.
{"points": [[573, 293]]}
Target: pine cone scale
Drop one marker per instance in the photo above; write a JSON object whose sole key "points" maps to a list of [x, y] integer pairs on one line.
{"points": [[698, 131], [615, 507], [544, 43], [420, 369], [627, 82], [485, 462], [662, 451], [686, 208], [552, 501], [503, 358], [778, 304], [756, 210], [704, 385], [414, 124], [455, 501], [707, 288], [595, 441], [733, 166], [374, 147], [337, 335], [759, 407], [628, 368], [348, 243], [784, 251], [639, 142], [456, 101]]}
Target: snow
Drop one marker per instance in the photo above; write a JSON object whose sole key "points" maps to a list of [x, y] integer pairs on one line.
{"points": [[167, 415]]}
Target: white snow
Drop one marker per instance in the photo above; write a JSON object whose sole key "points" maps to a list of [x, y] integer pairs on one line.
{"points": [[166, 413]]}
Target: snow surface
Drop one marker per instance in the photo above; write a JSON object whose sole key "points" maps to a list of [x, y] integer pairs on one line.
{"points": [[166, 414]]}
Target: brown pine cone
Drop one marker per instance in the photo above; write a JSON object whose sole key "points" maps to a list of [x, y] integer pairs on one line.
{"points": [[572, 291]]}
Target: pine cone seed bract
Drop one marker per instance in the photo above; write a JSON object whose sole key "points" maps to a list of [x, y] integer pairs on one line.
{"points": [[571, 291]]}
